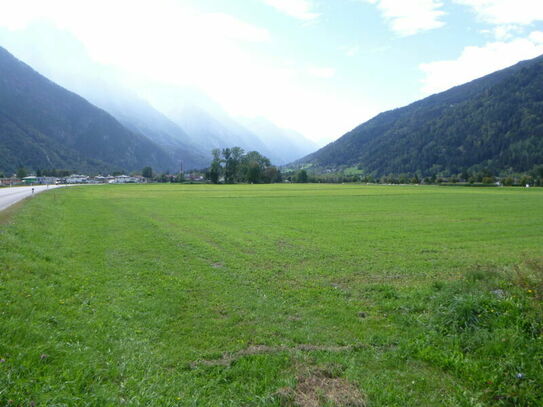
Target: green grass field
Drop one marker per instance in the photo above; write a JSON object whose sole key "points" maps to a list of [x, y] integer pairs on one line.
{"points": [[259, 295]]}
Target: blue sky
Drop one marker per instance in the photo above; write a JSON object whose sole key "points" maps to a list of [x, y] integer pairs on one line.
{"points": [[317, 66]]}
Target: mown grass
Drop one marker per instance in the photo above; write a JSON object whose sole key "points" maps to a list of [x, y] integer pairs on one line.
{"points": [[394, 296]]}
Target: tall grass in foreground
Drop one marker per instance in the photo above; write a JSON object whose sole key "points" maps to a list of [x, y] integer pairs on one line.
{"points": [[486, 328]]}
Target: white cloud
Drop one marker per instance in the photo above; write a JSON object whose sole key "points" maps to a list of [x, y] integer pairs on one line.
{"points": [[475, 62], [504, 32], [350, 51], [521, 12], [322, 72], [233, 28], [300, 9], [408, 17], [536, 37], [160, 40]]}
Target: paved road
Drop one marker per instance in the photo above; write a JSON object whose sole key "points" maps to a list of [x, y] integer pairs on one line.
{"points": [[9, 196]]}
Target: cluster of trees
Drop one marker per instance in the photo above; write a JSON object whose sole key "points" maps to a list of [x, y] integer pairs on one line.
{"points": [[533, 177], [482, 176], [233, 165], [148, 173], [20, 173], [54, 173]]}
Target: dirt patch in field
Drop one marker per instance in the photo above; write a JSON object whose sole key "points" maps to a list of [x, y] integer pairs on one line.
{"points": [[228, 358], [319, 389], [283, 244]]}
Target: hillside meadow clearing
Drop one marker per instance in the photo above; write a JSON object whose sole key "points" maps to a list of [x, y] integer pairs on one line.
{"points": [[273, 295]]}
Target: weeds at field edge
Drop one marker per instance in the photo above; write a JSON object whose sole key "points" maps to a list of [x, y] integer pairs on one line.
{"points": [[486, 329]]}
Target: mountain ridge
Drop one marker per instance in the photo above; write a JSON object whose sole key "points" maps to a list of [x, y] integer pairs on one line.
{"points": [[43, 125], [142, 105], [476, 125]]}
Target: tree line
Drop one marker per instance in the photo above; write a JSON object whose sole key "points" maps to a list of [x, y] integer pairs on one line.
{"points": [[483, 177], [234, 165]]}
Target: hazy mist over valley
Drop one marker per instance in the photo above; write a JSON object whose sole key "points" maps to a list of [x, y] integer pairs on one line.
{"points": [[177, 118]]}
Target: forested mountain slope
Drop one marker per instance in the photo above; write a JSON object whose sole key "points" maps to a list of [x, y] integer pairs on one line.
{"points": [[42, 125], [493, 123]]}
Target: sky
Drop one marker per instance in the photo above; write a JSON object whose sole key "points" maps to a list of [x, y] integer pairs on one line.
{"points": [[320, 67]]}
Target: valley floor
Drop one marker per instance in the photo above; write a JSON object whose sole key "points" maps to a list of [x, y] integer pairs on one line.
{"points": [[270, 295]]}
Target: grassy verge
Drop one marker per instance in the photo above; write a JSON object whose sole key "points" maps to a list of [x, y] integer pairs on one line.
{"points": [[485, 328], [272, 295]]}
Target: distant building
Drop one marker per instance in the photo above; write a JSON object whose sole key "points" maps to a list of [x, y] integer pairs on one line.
{"points": [[194, 176], [126, 179], [9, 181], [33, 180], [103, 180], [77, 179]]}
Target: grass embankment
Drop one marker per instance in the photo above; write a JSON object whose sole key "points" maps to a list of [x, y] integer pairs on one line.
{"points": [[273, 295]]}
